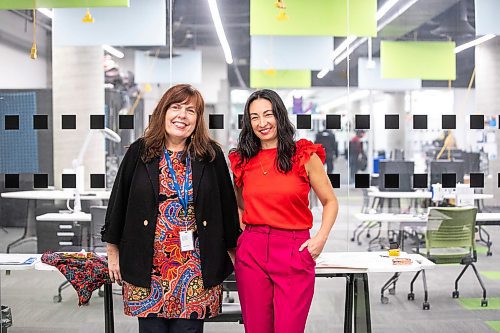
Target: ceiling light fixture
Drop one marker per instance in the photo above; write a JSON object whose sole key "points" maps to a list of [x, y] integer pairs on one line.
{"points": [[111, 50], [345, 51], [473, 43], [220, 31], [47, 12]]}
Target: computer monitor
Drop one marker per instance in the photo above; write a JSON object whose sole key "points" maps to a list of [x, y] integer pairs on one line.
{"points": [[471, 162], [404, 170], [438, 168]]}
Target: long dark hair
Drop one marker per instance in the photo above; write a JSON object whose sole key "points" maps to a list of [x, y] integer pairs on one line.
{"points": [[199, 143], [249, 144]]}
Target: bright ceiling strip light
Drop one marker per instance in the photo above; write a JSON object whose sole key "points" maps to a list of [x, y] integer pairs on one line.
{"points": [[474, 42], [46, 12], [220, 31], [341, 48], [111, 50], [348, 52], [344, 53], [401, 10], [385, 8]]}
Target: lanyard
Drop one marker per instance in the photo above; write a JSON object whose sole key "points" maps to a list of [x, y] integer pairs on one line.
{"points": [[183, 199]]}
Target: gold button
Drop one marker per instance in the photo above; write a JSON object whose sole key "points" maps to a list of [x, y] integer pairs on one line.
{"points": [[146, 223], [204, 223]]}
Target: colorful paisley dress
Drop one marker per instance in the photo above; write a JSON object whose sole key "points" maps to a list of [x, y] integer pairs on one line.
{"points": [[176, 283]]}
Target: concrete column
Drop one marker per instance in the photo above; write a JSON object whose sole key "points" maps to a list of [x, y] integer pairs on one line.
{"points": [[78, 89], [396, 138], [488, 102]]}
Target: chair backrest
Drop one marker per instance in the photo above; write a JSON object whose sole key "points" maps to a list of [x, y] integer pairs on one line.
{"points": [[97, 213], [451, 227]]}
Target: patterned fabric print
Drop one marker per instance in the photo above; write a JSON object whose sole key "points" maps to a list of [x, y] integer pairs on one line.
{"points": [[86, 272], [176, 284]]}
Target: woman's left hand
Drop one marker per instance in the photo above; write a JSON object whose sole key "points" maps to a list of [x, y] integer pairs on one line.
{"points": [[314, 245]]}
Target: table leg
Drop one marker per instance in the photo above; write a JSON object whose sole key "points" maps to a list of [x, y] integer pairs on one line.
{"points": [[362, 317], [29, 233], [109, 321], [348, 310]]}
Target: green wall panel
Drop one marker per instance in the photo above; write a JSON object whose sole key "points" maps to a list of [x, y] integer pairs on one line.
{"points": [[280, 78], [29, 4], [315, 18], [418, 60]]}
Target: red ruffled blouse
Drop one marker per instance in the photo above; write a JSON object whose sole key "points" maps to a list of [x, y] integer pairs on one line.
{"points": [[274, 198]]}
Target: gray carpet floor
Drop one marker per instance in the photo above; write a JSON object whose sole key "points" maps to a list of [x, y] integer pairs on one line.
{"points": [[30, 294]]}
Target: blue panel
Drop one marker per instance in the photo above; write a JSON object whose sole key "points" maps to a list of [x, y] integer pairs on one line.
{"points": [[18, 148]]}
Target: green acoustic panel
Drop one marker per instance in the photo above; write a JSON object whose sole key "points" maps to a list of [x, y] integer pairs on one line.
{"points": [[280, 78], [30, 4], [418, 60], [315, 18]]}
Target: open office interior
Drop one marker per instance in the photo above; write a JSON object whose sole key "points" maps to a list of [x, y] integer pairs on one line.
{"points": [[403, 95]]}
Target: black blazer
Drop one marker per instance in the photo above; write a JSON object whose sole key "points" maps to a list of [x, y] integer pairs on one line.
{"points": [[133, 209]]}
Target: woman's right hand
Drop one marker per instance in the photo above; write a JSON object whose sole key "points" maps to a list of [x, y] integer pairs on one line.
{"points": [[114, 263]]}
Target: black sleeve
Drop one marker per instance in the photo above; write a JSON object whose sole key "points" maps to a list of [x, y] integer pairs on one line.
{"points": [[230, 219], [112, 230]]}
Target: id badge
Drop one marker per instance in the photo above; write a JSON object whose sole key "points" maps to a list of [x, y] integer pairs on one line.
{"points": [[187, 241]]}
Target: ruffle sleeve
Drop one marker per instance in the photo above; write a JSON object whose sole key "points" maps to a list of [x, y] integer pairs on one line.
{"points": [[237, 168], [305, 149]]}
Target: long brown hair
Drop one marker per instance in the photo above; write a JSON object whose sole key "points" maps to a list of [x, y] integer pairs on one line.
{"points": [[199, 144]]}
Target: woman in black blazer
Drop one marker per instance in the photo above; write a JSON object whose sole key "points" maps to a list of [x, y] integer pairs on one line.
{"points": [[172, 220]]}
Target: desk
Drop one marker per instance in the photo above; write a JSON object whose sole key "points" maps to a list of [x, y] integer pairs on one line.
{"points": [[29, 233], [58, 232], [403, 220], [108, 297], [380, 196], [355, 266]]}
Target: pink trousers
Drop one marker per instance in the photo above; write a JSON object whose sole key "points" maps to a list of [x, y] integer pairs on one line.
{"points": [[275, 281]]}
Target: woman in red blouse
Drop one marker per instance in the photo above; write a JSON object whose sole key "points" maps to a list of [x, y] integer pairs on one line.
{"points": [[275, 255]]}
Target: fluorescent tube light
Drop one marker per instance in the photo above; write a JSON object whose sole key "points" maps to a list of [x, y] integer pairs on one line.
{"points": [[111, 50], [385, 8], [474, 43], [344, 53], [220, 31], [46, 12]]}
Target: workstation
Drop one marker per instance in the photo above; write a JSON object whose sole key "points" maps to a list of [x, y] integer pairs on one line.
{"points": [[401, 93]]}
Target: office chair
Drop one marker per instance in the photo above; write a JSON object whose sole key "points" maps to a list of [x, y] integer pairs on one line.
{"points": [[450, 239]]}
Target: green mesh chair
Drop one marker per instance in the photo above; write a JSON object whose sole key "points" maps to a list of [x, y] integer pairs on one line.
{"points": [[450, 240]]}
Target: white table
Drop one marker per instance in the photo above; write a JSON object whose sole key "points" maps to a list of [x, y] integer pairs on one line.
{"points": [[421, 195], [482, 219], [355, 266], [39, 266], [29, 233]]}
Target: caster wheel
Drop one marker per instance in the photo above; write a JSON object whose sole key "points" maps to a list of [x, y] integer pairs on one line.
{"points": [[392, 291], [455, 294], [384, 300], [411, 296], [228, 300], [100, 293], [368, 236], [484, 303], [489, 254], [57, 299], [359, 243], [369, 250], [352, 239], [426, 306]]}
